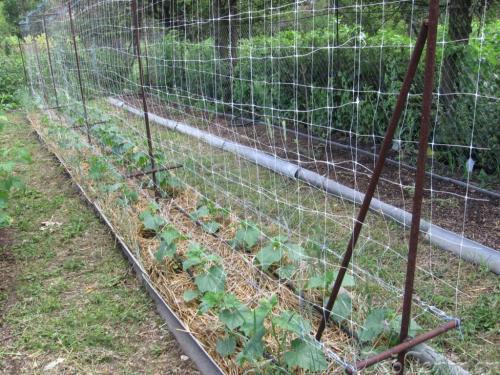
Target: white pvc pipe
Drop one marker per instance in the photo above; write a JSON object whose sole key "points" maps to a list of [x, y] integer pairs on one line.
{"points": [[464, 248]]}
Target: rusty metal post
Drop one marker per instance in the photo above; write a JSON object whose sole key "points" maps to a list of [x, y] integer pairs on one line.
{"points": [[137, 41], [404, 346], [40, 74], [386, 145], [147, 76], [79, 75], [22, 60], [430, 62], [49, 57]]}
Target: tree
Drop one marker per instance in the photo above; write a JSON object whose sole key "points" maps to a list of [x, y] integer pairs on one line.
{"points": [[14, 10]]}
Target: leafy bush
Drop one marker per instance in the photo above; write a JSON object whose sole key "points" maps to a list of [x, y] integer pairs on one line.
{"points": [[11, 73], [9, 157]]}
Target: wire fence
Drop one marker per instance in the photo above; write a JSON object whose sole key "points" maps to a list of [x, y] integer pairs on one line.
{"points": [[253, 128]]}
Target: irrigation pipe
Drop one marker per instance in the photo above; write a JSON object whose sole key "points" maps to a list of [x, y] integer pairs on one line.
{"points": [[462, 247], [188, 343], [342, 146]]}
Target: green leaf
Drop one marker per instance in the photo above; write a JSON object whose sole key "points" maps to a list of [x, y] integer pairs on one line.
{"points": [[286, 272], [170, 235], [152, 222], [247, 236], [23, 155], [254, 347], [396, 326], [295, 252], [200, 213], [212, 281], [210, 300], [194, 256], [211, 227], [190, 295], [269, 255], [342, 309], [373, 326], [325, 281], [254, 319], [306, 355], [166, 249], [233, 317], [321, 281], [293, 322], [191, 262], [226, 346]]}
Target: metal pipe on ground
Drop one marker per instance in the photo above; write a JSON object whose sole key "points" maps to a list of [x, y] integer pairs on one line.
{"points": [[462, 247]]}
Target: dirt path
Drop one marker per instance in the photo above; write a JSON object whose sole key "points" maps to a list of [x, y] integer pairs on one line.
{"points": [[69, 302]]}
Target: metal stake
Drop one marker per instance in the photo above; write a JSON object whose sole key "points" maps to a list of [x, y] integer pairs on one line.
{"points": [[77, 58], [22, 59], [404, 346], [137, 41], [430, 60], [403, 94], [40, 74], [49, 56]]}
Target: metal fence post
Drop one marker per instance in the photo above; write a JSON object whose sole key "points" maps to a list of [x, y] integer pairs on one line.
{"points": [[49, 57], [40, 74], [430, 61], [79, 75], [22, 60], [137, 41], [402, 97]]}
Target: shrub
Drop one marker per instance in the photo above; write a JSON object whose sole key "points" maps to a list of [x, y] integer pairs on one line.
{"points": [[11, 73]]}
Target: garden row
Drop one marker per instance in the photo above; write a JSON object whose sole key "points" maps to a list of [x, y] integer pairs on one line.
{"points": [[246, 331]]}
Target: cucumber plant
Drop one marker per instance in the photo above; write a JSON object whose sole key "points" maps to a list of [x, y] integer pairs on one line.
{"points": [[207, 268], [169, 237], [247, 236], [209, 215], [152, 223], [275, 250], [383, 324]]}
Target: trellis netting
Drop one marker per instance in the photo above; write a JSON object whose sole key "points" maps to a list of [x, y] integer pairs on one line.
{"points": [[266, 120]]}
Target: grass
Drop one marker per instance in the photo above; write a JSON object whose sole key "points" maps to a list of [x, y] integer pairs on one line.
{"points": [[71, 294]]}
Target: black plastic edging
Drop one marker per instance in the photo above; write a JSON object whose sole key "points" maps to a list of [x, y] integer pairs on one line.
{"points": [[189, 344]]}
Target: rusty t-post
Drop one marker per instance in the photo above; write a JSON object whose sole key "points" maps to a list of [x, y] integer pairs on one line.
{"points": [[430, 62], [386, 145], [49, 58], [40, 74], [137, 41], [23, 62], [79, 75]]}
